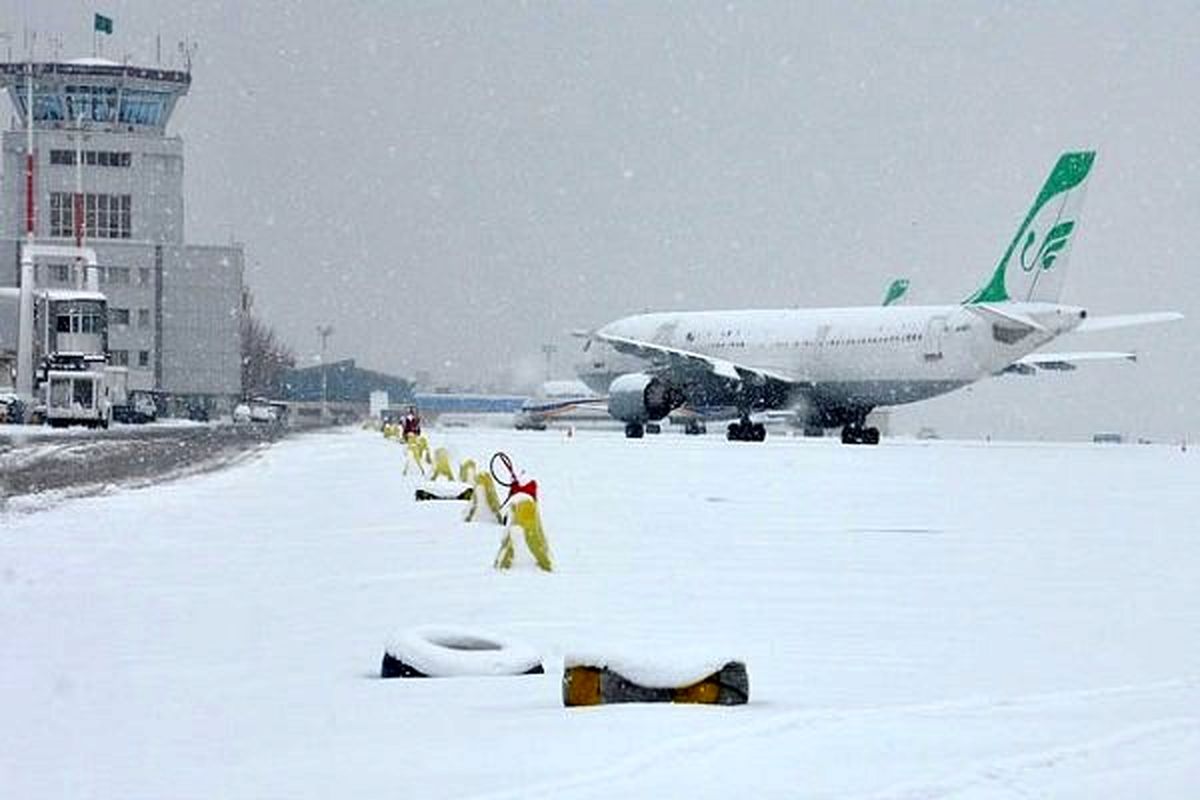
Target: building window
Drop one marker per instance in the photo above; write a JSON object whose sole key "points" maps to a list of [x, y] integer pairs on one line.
{"points": [[107, 216], [118, 358], [78, 322], [61, 215], [93, 158], [143, 276], [118, 316], [143, 358], [118, 276], [60, 273], [143, 318]]}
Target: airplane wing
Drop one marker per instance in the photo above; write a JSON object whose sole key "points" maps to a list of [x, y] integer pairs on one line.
{"points": [[1063, 362], [689, 361], [551, 407], [1126, 321]]}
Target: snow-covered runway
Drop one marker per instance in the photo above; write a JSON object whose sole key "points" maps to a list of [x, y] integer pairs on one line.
{"points": [[918, 620]]}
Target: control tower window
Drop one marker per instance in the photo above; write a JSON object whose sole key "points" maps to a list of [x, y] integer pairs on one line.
{"points": [[46, 106], [95, 103], [142, 107]]}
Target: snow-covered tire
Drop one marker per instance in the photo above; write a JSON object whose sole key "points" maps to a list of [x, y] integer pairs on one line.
{"points": [[442, 651], [444, 490]]}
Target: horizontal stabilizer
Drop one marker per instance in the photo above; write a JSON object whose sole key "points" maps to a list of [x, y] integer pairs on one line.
{"points": [[1007, 316], [1127, 321], [1063, 362]]}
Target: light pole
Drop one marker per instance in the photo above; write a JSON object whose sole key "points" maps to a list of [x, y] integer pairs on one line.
{"points": [[324, 331]]}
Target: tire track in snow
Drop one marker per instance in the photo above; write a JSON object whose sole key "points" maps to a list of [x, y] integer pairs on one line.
{"points": [[1009, 771], [630, 765]]}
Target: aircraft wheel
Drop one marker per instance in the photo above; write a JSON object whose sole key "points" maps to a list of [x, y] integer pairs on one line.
{"points": [[870, 436], [851, 434], [758, 432], [653, 427], [634, 430]]}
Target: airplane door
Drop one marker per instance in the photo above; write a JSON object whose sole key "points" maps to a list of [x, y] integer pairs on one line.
{"points": [[935, 334]]}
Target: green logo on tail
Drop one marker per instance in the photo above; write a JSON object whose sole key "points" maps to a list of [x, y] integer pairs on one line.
{"points": [[1055, 241], [1053, 213]]}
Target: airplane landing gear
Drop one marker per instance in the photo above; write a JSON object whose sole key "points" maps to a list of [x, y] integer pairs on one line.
{"points": [[857, 433], [746, 431], [634, 430]]}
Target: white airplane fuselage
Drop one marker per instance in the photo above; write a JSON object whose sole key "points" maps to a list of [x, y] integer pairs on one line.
{"points": [[861, 356], [832, 366]]}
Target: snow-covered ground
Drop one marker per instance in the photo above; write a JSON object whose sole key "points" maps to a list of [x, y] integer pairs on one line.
{"points": [[918, 619]]}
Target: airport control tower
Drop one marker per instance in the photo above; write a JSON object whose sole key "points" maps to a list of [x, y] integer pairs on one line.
{"points": [[102, 154]]}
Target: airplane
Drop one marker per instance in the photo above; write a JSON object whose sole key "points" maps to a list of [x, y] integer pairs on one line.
{"points": [[833, 366]]}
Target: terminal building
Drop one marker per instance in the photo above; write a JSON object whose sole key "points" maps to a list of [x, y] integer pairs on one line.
{"points": [[100, 131]]}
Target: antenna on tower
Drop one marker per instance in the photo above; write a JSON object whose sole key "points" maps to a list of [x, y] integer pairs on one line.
{"points": [[186, 51]]}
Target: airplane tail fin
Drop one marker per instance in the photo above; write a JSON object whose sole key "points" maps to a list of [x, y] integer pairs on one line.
{"points": [[895, 291], [1033, 266]]}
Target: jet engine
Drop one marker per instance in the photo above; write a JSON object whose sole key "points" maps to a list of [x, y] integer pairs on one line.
{"points": [[638, 397]]}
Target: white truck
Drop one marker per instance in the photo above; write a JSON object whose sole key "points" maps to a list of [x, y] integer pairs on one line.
{"points": [[78, 391]]}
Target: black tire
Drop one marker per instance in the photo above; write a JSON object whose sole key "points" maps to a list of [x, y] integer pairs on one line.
{"points": [[734, 432], [870, 436], [653, 427], [445, 652], [634, 430], [758, 432], [850, 435]]}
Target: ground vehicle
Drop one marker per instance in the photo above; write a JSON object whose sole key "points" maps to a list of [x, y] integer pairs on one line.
{"points": [[262, 411], [12, 410], [77, 392], [139, 408]]}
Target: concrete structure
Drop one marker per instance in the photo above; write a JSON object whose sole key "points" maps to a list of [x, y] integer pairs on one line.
{"points": [[174, 309]]}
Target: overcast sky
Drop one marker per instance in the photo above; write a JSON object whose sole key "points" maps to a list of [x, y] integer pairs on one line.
{"points": [[451, 185]]}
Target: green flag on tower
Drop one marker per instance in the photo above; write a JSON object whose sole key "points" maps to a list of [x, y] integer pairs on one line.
{"points": [[102, 24]]}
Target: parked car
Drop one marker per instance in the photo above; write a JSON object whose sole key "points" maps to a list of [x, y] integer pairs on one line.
{"points": [[139, 408], [262, 411], [11, 408]]}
